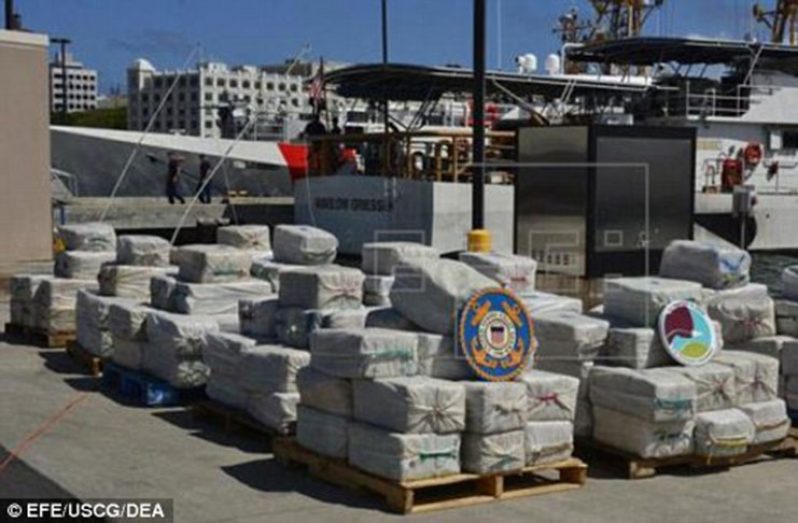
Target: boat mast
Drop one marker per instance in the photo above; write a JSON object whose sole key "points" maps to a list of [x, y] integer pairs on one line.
{"points": [[778, 20]]}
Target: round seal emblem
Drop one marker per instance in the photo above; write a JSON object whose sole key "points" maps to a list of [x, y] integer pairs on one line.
{"points": [[687, 333], [496, 334]]}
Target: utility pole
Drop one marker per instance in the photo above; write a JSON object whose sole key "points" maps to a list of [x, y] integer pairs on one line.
{"points": [[64, 88], [478, 142]]}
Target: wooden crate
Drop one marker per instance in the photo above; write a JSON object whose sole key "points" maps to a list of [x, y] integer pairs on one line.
{"points": [[640, 468], [459, 490], [230, 418], [93, 365], [38, 337]]}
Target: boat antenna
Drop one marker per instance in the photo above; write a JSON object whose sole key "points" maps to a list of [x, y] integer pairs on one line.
{"points": [[147, 130], [301, 54]]}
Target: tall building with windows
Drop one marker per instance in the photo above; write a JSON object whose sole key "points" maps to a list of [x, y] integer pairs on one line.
{"points": [[81, 86], [202, 98]]}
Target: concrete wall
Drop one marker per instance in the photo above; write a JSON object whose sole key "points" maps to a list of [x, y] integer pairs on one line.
{"points": [[25, 213]]}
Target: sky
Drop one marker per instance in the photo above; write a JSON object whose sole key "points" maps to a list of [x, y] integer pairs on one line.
{"points": [[108, 35]]}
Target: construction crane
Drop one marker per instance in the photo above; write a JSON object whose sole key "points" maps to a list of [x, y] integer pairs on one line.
{"points": [[614, 19], [779, 20]]}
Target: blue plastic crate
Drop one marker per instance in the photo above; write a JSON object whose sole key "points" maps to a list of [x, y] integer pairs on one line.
{"points": [[144, 389]]}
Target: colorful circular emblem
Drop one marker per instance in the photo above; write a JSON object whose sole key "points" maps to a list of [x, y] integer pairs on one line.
{"points": [[687, 333], [496, 334]]}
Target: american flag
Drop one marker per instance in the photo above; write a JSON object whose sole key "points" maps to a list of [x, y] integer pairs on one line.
{"points": [[317, 87]]}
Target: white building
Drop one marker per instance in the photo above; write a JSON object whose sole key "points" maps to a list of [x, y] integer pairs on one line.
{"points": [[201, 95], [81, 86]]}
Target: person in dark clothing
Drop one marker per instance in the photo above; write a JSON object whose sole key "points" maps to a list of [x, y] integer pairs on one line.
{"points": [[336, 130], [173, 179], [204, 171], [315, 127]]}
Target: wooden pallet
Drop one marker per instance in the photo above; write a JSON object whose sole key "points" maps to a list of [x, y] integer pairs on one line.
{"points": [[640, 468], [92, 364], [38, 337], [146, 390], [230, 418], [459, 490]]}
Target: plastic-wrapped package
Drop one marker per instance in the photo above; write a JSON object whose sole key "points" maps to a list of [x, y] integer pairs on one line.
{"points": [[655, 395], [403, 457], [640, 437], [247, 237], [257, 317], [548, 442], [88, 237], [750, 291], [55, 301], [269, 270], [569, 335], [22, 288], [438, 358], [325, 393], [789, 282], [791, 393], [216, 298], [722, 433], [127, 321], [715, 386], [213, 264], [152, 251], [636, 348], [222, 353], [322, 432], [494, 407], [225, 390], [304, 245], [227, 323], [270, 368], [769, 419], [130, 281], [383, 257], [364, 353], [744, 319], [276, 411], [787, 317], [389, 318], [756, 376], [81, 265], [583, 418], [491, 453], [91, 319], [713, 266], [182, 372], [431, 293], [181, 335], [294, 326], [162, 290], [322, 288], [415, 404], [538, 302], [128, 353], [550, 396], [768, 346], [377, 290], [509, 270], [640, 300], [347, 318]]}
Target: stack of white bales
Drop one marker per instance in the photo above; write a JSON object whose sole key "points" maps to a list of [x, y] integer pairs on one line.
{"points": [[379, 262], [787, 325], [511, 271]]}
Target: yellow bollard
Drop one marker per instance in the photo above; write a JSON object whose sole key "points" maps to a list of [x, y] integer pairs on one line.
{"points": [[479, 240]]}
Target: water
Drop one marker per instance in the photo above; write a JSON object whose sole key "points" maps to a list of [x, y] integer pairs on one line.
{"points": [[766, 268]]}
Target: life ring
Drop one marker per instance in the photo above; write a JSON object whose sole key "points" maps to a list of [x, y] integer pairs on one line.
{"points": [[752, 154]]}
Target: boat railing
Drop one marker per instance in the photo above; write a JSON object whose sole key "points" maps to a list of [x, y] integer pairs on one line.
{"points": [[710, 102], [419, 155]]}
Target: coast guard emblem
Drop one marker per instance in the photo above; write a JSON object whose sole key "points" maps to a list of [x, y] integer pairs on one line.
{"points": [[496, 334]]}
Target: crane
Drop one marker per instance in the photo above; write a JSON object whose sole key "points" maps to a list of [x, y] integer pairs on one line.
{"points": [[783, 17]]}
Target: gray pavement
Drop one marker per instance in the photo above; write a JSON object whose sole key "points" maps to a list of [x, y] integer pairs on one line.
{"points": [[102, 449]]}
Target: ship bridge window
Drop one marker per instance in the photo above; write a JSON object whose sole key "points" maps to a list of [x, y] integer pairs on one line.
{"points": [[789, 139]]}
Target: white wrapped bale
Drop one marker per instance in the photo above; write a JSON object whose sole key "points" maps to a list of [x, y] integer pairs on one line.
{"points": [[744, 319], [751, 291], [81, 265], [548, 442], [22, 288], [654, 395], [180, 335], [715, 386], [438, 358], [270, 368], [55, 301], [347, 318], [389, 318], [213, 264], [325, 393], [142, 250], [411, 404], [130, 281], [257, 317], [322, 432], [550, 396], [294, 326], [128, 353], [269, 271], [642, 438], [246, 237], [789, 282], [569, 335], [216, 298], [636, 348], [227, 323], [225, 390], [787, 317], [127, 322], [222, 353], [713, 266], [771, 346], [538, 302], [756, 376], [182, 372], [322, 288], [276, 411], [722, 433], [494, 407], [382, 258], [162, 290], [377, 290], [791, 394], [403, 457], [92, 321], [88, 237], [514, 272], [304, 245], [789, 358], [640, 300], [492, 453], [431, 293], [769, 419], [364, 353]]}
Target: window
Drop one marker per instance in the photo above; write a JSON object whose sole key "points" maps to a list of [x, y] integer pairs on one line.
{"points": [[181, 97], [182, 81], [209, 81], [789, 139], [294, 88], [220, 82], [281, 87], [270, 86], [208, 124], [295, 102], [258, 85], [194, 81], [208, 97], [233, 83], [159, 82], [194, 96], [156, 97], [145, 97], [245, 84]]}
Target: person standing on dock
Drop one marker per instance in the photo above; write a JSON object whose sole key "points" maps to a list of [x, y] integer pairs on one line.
{"points": [[204, 170], [173, 178]]}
